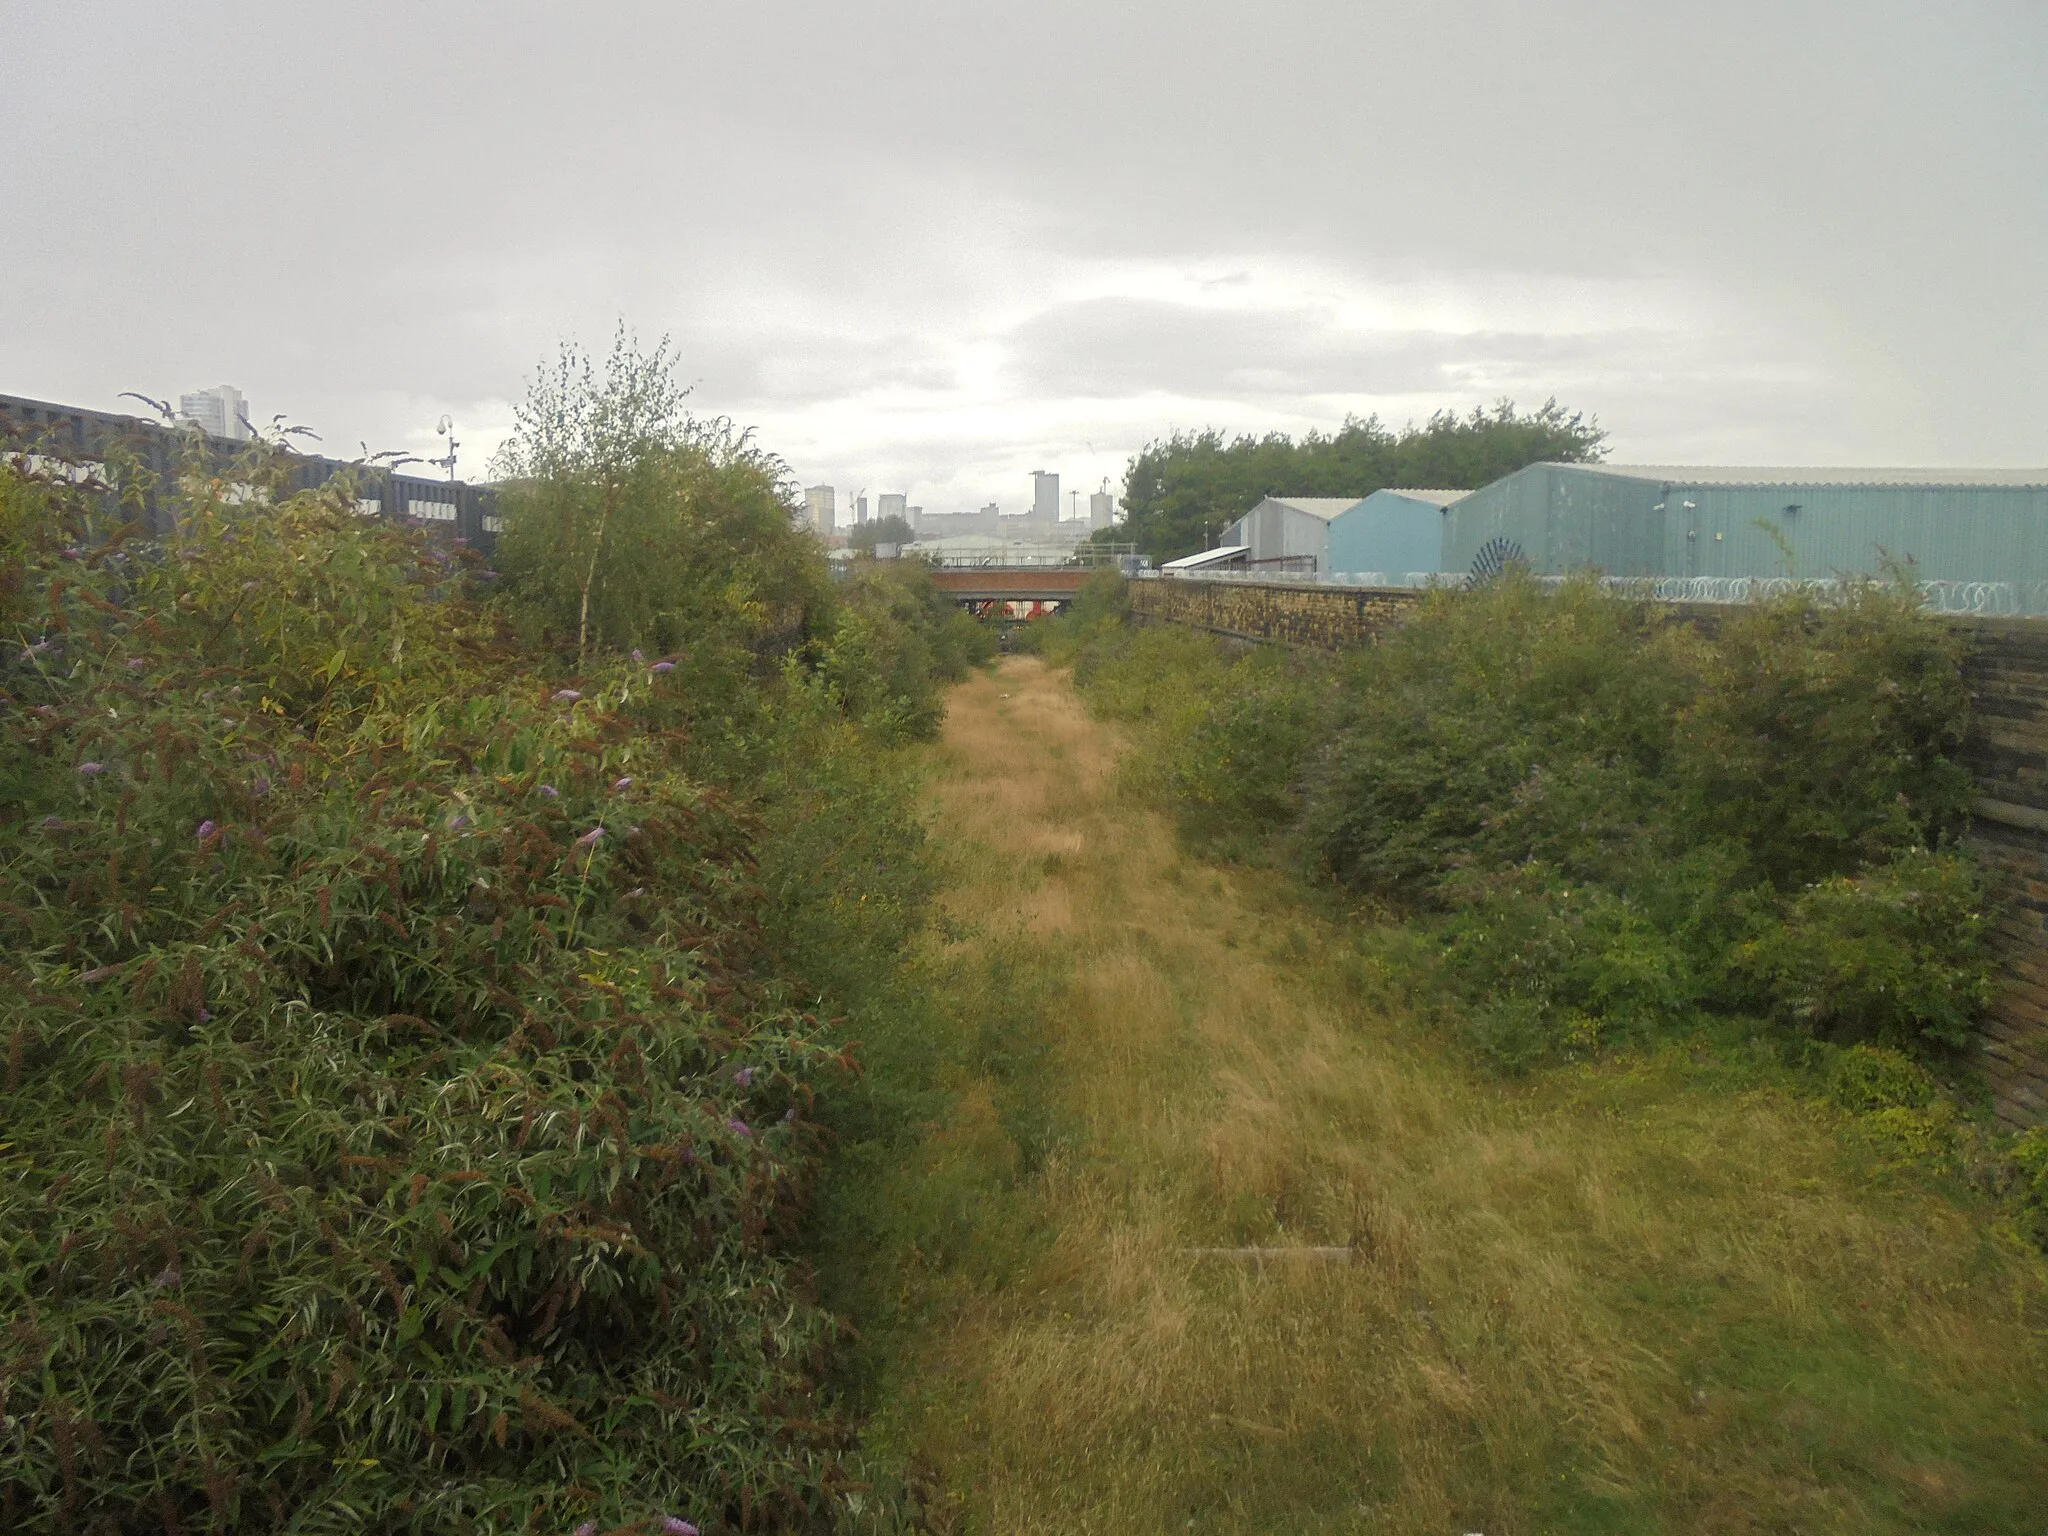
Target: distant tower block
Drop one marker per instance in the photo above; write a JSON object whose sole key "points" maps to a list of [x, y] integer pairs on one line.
{"points": [[219, 412], [1101, 510], [819, 510], [890, 504], [1045, 497], [860, 509]]}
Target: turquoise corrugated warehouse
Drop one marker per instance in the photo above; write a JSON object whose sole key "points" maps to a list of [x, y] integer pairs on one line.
{"points": [[1392, 532], [1955, 525]]}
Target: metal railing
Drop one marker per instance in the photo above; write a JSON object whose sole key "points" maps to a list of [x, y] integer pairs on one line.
{"points": [[1087, 557]]}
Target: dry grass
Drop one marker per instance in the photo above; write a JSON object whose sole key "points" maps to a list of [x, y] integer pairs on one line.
{"points": [[1645, 1296]]}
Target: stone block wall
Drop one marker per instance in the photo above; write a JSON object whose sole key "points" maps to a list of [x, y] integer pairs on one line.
{"points": [[1326, 618], [2007, 671]]}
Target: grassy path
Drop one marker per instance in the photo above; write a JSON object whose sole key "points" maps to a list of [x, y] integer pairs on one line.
{"points": [[1653, 1295]]}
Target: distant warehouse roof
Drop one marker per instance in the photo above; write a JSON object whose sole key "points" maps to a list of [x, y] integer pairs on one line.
{"points": [[1752, 475], [1325, 507], [1435, 498]]}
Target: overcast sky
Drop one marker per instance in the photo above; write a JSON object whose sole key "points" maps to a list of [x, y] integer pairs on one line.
{"points": [[931, 245]]}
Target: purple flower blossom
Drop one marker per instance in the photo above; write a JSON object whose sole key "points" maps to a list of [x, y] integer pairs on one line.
{"points": [[623, 783], [567, 696], [789, 1115], [457, 822], [136, 663], [92, 770], [663, 666], [589, 839], [744, 1077], [207, 829], [169, 1277], [53, 824], [587, 1528], [551, 792], [676, 1525], [636, 654], [206, 1016], [739, 1127], [261, 786]]}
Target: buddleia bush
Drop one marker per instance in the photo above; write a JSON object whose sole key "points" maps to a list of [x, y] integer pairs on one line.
{"points": [[407, 1107]]}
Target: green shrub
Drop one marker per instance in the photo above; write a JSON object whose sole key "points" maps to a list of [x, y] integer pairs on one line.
{"points": [[1823, 735], [1240, 757], [1497, 726], [1151, 672], [1616, 818], [892, 641], [1555, 967], [2029, 1157], [412, 1051], [1098, 612], [1866, 1078], [1895, 954]]}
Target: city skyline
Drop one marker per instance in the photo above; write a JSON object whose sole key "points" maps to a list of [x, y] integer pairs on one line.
{"points": [[822, 502]]}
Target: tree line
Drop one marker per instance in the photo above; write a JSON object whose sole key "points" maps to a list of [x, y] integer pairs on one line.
{"points": [[1181, 491]]}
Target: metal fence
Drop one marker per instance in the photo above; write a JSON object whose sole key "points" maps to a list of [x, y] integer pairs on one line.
{"points": [[1086, 557]]}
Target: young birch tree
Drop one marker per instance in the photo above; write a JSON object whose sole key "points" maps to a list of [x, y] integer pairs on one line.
{"points": [[588, 460]]}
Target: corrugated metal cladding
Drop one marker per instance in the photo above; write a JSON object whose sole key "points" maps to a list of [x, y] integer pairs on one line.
{"points": [[1289, 528], [1622, 520], [1393, 532]]}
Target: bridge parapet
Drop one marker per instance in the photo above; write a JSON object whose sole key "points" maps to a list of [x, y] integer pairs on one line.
{"points": [[1017, 584]]}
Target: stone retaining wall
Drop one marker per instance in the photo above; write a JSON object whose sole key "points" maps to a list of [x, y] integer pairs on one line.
{"points": [[2006, 668]]}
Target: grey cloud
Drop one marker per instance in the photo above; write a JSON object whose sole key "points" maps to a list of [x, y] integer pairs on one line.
{"points": [[355, 210], [1118, 347]]}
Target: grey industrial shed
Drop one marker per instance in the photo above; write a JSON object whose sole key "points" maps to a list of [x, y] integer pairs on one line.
{"points": [[1289, 528], [1956, 525]]}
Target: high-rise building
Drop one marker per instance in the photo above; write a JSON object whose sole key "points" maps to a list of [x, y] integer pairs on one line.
{"points": [[220, 411], [819, 510], [1101, 509], [860, 509], [890, 504], [1045, 497]]}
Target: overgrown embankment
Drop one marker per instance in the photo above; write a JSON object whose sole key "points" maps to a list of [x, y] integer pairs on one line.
{"points": [[1614, 822], [417, 996]]}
